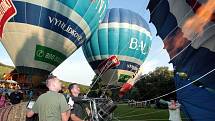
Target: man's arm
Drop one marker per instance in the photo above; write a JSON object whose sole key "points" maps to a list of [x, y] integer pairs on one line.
{"points": [[75, 118], [65, 115], [64, 108], [29, 113]]}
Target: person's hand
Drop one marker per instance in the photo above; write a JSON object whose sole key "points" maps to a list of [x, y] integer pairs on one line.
{"points": [[85, 96], [88, 111]]}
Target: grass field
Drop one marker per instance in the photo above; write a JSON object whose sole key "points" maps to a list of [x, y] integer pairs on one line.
{"points": [[124, 112]]}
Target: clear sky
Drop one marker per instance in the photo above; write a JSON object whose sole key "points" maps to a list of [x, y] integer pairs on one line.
{"points": [[76, 68]]}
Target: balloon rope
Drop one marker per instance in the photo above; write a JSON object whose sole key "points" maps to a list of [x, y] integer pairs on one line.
{"points": [[98, 77], [104, 91], [180, 52], [100, 74], [181, 87], [155, 6]]}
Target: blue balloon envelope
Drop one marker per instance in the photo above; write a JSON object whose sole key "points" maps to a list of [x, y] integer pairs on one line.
{"points": [[122, 33], [192, 55]]}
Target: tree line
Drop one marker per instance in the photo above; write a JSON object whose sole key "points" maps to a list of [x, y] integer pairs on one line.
{"points": [[154, 84], [151, 85]]}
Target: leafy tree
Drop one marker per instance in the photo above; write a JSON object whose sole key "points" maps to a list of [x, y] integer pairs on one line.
{"points": [[96, 87], [155, 84], [134, 94]]}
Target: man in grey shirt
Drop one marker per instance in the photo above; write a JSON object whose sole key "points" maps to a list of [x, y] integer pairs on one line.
{"points": [[51, 106]]}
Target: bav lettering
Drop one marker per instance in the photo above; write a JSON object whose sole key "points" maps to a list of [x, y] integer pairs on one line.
{"points": [[65, 27], [7, 11], [135, 44]]}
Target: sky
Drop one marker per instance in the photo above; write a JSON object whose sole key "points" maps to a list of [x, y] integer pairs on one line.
{"points": [[76, 68]]}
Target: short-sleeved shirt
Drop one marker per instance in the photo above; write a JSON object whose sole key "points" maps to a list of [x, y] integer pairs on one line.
{"points": [[50, 105]]}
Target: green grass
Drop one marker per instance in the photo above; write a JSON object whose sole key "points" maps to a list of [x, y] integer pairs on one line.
{"points": [[124, 112]]}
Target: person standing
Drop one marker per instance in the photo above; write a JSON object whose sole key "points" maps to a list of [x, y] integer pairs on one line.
{"points": [[78, 108], [51, 106], [174, 111]]}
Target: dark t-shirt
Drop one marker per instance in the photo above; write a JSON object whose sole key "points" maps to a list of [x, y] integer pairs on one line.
{"points": [[79, 107]]}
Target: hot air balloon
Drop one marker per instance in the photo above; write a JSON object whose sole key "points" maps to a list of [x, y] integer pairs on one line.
{"points": [[43, 33], [124, 34], [191, 53]]}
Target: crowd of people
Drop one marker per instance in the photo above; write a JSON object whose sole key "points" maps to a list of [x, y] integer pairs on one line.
{"points": [[8, 84], [10, 96], [54, 105]]}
